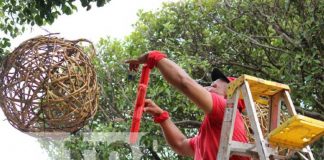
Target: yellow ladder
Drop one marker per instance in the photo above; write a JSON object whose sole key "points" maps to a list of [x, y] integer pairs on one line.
{"points": [[295, 134]]}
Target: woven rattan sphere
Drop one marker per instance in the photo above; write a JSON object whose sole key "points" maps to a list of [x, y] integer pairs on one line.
{"points": [[48, 84]]}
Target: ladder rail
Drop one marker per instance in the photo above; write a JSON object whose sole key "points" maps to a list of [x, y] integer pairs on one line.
{"points": [[309, 152], [228, 126], [288, 102], [258, 136]]}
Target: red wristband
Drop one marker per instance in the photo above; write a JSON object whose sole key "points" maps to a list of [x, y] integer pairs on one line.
{"points": [[154, 57], [162, 117]]}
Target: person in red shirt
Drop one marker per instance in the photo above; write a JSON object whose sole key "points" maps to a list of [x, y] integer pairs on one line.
{"points": [[212, 100]]}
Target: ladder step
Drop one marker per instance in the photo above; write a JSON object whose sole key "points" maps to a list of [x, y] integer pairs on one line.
{"points": [[297, 132], [261, 89], [243, 149], [247, 149]]}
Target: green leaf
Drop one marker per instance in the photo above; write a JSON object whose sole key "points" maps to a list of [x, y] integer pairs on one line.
{"points": [[38, 20], [100, 3], [67, 10], [308, 78]]}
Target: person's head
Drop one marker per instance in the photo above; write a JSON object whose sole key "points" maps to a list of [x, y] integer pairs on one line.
{"points": [[220, 82], [219, 87]]}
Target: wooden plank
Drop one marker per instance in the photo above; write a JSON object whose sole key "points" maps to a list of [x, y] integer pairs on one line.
{"points": [[247, 149], [251, 111], [289, 103], [243, 149], [228, 126], [275, 111], [233, 86], [270, 84]]}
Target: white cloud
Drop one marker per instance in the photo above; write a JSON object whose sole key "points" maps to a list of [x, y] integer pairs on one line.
{"points": [[114, 19]]}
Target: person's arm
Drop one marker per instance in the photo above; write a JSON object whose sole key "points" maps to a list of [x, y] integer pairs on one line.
{"points": [[174, 137], [177, 77]]}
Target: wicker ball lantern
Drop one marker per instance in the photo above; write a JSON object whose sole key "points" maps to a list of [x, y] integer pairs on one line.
{"points": [[48, 84]]}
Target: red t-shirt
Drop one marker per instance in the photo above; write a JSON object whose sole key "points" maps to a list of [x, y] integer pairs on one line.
{"points": [[206, 143]]}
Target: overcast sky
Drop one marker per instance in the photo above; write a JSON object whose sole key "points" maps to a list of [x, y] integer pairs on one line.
{"points": [[114, 19]]}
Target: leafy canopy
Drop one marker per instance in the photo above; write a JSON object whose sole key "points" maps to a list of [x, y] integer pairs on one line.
{"points": [[275, 40], [18, 14]]}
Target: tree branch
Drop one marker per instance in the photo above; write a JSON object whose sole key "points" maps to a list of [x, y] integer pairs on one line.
{"points": [[253, 69], [279, 30], [104, 113], [271, 60], [282, 33], [254, 41], [154, 154], [319, 104], [188, 123], [310, 114]]}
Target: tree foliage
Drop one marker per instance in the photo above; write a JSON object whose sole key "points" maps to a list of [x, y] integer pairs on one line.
{"points": [[275, 40], [272, 39], [16, 15]]}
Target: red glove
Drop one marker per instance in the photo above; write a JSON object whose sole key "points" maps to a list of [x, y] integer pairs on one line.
{"points": [[154, 57], [162, 117]]}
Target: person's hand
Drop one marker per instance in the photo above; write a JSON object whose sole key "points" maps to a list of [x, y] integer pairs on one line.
{"points": [[134, 63], [151, 108]]}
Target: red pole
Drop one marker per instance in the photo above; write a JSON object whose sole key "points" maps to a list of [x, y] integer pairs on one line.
{"points": [[139, 104]]}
